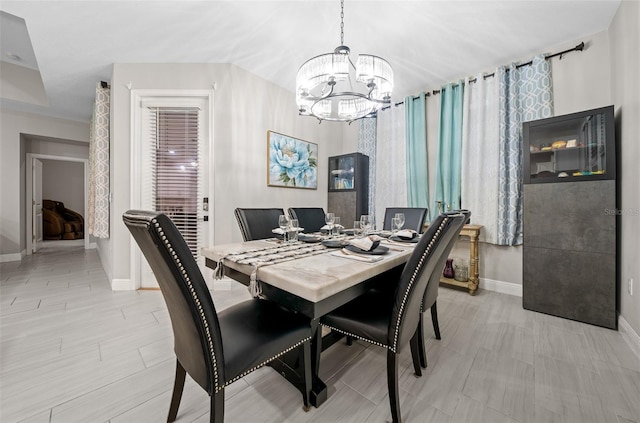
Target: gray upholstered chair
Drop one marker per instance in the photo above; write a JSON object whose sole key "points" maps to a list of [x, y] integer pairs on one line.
{"points": [[391, 321], [214, 348], [413, 217], [309, 218], [257, 223]]}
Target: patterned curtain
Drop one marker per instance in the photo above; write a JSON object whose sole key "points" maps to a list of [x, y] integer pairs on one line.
{"points": [[417, 159], [525, 94], [367, 146], [480, 155], [449, 159], [391, 166], [98, 198]]}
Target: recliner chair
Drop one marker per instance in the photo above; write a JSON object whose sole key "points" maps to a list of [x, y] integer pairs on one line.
{"points": [[60, 222]]}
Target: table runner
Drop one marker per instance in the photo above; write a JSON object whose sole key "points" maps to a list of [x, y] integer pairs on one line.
{"points": [[265, 256]]}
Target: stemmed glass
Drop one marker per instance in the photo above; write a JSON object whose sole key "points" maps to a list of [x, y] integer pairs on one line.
{"points": [[366, 222], [283, 222], [400, 220], [336, 225], [329, 218]]}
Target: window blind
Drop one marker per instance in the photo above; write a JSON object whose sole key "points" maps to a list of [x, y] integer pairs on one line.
{"points": [[174, 168]]}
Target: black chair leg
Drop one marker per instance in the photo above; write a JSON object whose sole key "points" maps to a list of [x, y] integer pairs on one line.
{"points": [[415, 352], [349, 340], [434, 319], [422, 348], [217, 407], [392, 384], [306, 360], [178, 386]]}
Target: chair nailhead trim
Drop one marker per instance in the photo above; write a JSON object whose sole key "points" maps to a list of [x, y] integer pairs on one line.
{"points": [[413, 279], [261, 364], [359, 337], [186, 278]]}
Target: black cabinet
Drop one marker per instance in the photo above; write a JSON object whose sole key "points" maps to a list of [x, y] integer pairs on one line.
{"points": [[348, 195], [569, 251]]}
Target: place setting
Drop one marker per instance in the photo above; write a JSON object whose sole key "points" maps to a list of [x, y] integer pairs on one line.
{"points": [[365, 249]]}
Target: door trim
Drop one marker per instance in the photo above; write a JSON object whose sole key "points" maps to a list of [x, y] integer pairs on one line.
{"points": [[29, 195]]}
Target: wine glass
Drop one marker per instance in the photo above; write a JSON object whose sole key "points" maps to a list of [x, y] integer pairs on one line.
{"points": [[365, 224], [336, 225], [283, 222], [400, 217], [329, 218]]}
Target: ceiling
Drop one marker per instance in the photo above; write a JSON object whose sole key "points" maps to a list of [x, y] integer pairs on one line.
{"points": [[428, 43]]}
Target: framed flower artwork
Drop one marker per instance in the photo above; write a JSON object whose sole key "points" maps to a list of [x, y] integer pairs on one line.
{"points": [[291, 162]]}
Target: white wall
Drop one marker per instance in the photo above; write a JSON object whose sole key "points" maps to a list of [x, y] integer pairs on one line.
{"points": [[624, 36], [245, 108], [14, 126], [64, 181]]}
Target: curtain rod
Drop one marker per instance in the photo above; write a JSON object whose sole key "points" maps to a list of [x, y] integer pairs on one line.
{"points": [[579, 47]]}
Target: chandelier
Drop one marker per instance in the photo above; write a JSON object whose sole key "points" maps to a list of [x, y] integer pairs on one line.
{"points": [[330, 87]]}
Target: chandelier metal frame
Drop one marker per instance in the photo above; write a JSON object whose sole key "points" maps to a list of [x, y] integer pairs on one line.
{"points": [[326, 90]]}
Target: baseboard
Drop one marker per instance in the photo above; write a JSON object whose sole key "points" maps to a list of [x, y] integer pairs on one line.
{"points": [[4, 258], [122, 285], [630, 336], [502, 287]]}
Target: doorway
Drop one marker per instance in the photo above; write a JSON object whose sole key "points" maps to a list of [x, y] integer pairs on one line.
{"points": [[36, 166], [171, 154]]}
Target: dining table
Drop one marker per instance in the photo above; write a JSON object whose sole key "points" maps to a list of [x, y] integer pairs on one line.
{"points": [[310, 278]]}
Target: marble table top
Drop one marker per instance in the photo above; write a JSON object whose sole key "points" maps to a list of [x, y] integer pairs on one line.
{"points": [[316, 277]]}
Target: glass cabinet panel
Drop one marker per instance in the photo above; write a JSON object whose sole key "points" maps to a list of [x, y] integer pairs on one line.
{"points": [[571, 147], [342, 172]]}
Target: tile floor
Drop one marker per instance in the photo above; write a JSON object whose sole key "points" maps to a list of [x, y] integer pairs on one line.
{"points": [[72, 350]]}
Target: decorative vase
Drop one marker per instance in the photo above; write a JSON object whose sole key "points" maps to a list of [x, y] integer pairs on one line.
{"points": [[461, 272], [448, 269]]}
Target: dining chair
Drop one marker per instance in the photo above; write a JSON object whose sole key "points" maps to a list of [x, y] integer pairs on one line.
{"points": [[429, 299], [214, 348], [391, 321], [413, 217], [309, 218], [257, 223]]}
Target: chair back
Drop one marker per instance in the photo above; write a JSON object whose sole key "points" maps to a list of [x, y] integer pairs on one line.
{"points": [[413, 217], [431, 292], [416, 275], [309, 218], [197, 339], [257, 223]]}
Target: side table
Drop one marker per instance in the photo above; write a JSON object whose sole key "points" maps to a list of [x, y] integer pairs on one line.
{"points": [[472, 232]]}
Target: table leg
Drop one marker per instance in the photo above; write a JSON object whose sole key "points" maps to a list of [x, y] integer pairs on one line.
{"points": [[318, 389]]}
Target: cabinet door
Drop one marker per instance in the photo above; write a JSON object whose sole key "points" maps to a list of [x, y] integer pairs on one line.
{"points": [[575, 216], [571, 284]]}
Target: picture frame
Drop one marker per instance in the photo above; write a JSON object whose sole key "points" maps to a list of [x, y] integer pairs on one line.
{"points": [[291, 162]]}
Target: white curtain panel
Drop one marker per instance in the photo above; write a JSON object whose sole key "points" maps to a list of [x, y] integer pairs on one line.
{"points": [[98, 198], [480, 155], [367, 146], [391, 162]]}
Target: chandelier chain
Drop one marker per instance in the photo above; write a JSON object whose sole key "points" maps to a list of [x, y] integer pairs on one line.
{"points": [[341, 22]]}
